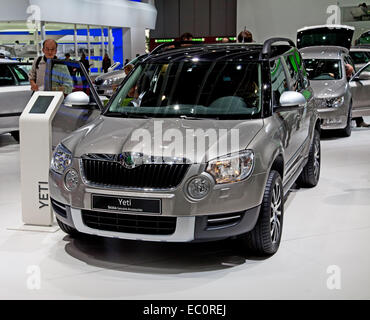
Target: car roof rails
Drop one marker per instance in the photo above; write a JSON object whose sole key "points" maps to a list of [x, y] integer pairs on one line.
{"points": [[174, 45], [267, 46]]}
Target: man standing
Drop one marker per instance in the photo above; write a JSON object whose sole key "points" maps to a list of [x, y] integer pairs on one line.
{"points": [[37, 73]]}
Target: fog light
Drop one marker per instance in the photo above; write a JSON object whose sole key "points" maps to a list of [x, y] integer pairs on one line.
{"points": [[71, 180], [199, 187]]}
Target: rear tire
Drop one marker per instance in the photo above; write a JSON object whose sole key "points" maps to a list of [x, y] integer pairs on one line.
{"points": [[15, 135], [67, 229], [310, 174], [265, 238]]}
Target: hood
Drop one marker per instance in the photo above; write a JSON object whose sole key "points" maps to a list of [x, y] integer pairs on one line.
{"points": [[329, 89], [327, 35], [213, 138]]}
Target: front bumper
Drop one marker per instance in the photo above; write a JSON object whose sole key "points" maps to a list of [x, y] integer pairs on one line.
{"points": [[214, 217], [188, 229], [333, 118]]}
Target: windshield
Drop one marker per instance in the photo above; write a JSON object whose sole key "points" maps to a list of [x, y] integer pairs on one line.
{"points": [[323, 69], [194, 89]]}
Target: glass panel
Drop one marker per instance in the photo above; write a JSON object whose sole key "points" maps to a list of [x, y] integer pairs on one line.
{"points": [[68, 77], [323, 69], [221, 89], [6, 76], [278, 80]]}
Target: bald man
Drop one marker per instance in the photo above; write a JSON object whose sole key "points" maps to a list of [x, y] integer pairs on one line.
{"points": [[37, 73]]}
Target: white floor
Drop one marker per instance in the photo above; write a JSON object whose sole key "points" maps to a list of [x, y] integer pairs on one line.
{"points": [[326, 244]]}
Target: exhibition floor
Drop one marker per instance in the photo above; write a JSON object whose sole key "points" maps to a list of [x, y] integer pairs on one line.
{"points": [[324, 227]]}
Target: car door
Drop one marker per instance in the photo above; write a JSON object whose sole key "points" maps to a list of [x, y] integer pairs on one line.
{"points": [[360, 88], [301, 119], [287, 118], [14, 95], [69, 77]]}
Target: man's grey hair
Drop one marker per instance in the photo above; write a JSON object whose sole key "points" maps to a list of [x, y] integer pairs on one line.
{"points": [[43, 44]]}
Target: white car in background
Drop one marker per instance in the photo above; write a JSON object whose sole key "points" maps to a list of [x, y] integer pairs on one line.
{"points": [[15, 92]]}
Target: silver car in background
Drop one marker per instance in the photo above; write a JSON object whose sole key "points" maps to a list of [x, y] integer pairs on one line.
{"points": [[15, 92], [107, 83], [340, 95]]}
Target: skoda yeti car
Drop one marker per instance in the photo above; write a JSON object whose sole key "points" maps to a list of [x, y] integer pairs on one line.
{"points": [[339, 95], [199, 143]]}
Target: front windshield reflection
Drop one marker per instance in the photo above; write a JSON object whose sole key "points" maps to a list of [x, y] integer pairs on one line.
{"points": [[193, 88]]}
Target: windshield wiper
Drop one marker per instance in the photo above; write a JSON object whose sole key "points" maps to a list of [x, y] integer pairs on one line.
{"points": [[127, 115], [196, 118]]}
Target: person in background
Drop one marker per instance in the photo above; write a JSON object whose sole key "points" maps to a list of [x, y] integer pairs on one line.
{"points": [[128, 68], [37, 73], [127, 61], [245, 36], [186, 37], [106, 63], [85, 62]]}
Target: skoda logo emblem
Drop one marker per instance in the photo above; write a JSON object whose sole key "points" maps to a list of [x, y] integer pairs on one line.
{"points": [[127, 161]]}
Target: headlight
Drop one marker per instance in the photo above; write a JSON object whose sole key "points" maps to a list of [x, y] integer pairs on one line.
{"points": [[61, 160], [335, 103], [112, 81], [233, 168]]}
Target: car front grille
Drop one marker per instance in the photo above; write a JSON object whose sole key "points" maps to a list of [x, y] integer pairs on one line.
{"points": [[125, 223], [149, 176]]}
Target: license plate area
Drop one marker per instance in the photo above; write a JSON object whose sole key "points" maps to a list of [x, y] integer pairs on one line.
{"points": [[126, 204]]}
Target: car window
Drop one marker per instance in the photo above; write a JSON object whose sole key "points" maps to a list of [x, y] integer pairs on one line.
{"points": [[192, 88], [279, 81], [360, 57], [294, 72], [68, 77], [302, 70], [365, 73], [20, 73], [324, 69], [6, 76]]}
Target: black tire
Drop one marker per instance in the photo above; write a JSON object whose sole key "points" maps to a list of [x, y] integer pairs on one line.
{"points": [[310, 175], [15, 135], [67, 229], [262, 240], [347, 131]]}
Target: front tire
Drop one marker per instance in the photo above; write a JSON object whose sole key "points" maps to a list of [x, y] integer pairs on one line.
{"points": [[310, 175], [265, 238], [347, 131]]}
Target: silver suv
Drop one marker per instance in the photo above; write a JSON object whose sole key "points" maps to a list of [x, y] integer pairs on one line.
{"points": [[201, 142]]}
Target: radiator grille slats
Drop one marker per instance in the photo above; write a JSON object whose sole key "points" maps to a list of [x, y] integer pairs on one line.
{"points": [[151, 176], [153, 225]]}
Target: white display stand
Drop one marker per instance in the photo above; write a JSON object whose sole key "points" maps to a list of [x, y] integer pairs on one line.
{"points": [[35, 156]]}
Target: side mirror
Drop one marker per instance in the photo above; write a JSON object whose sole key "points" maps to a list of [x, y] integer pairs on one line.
{"points": [[292, 99], [78, 99]]}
